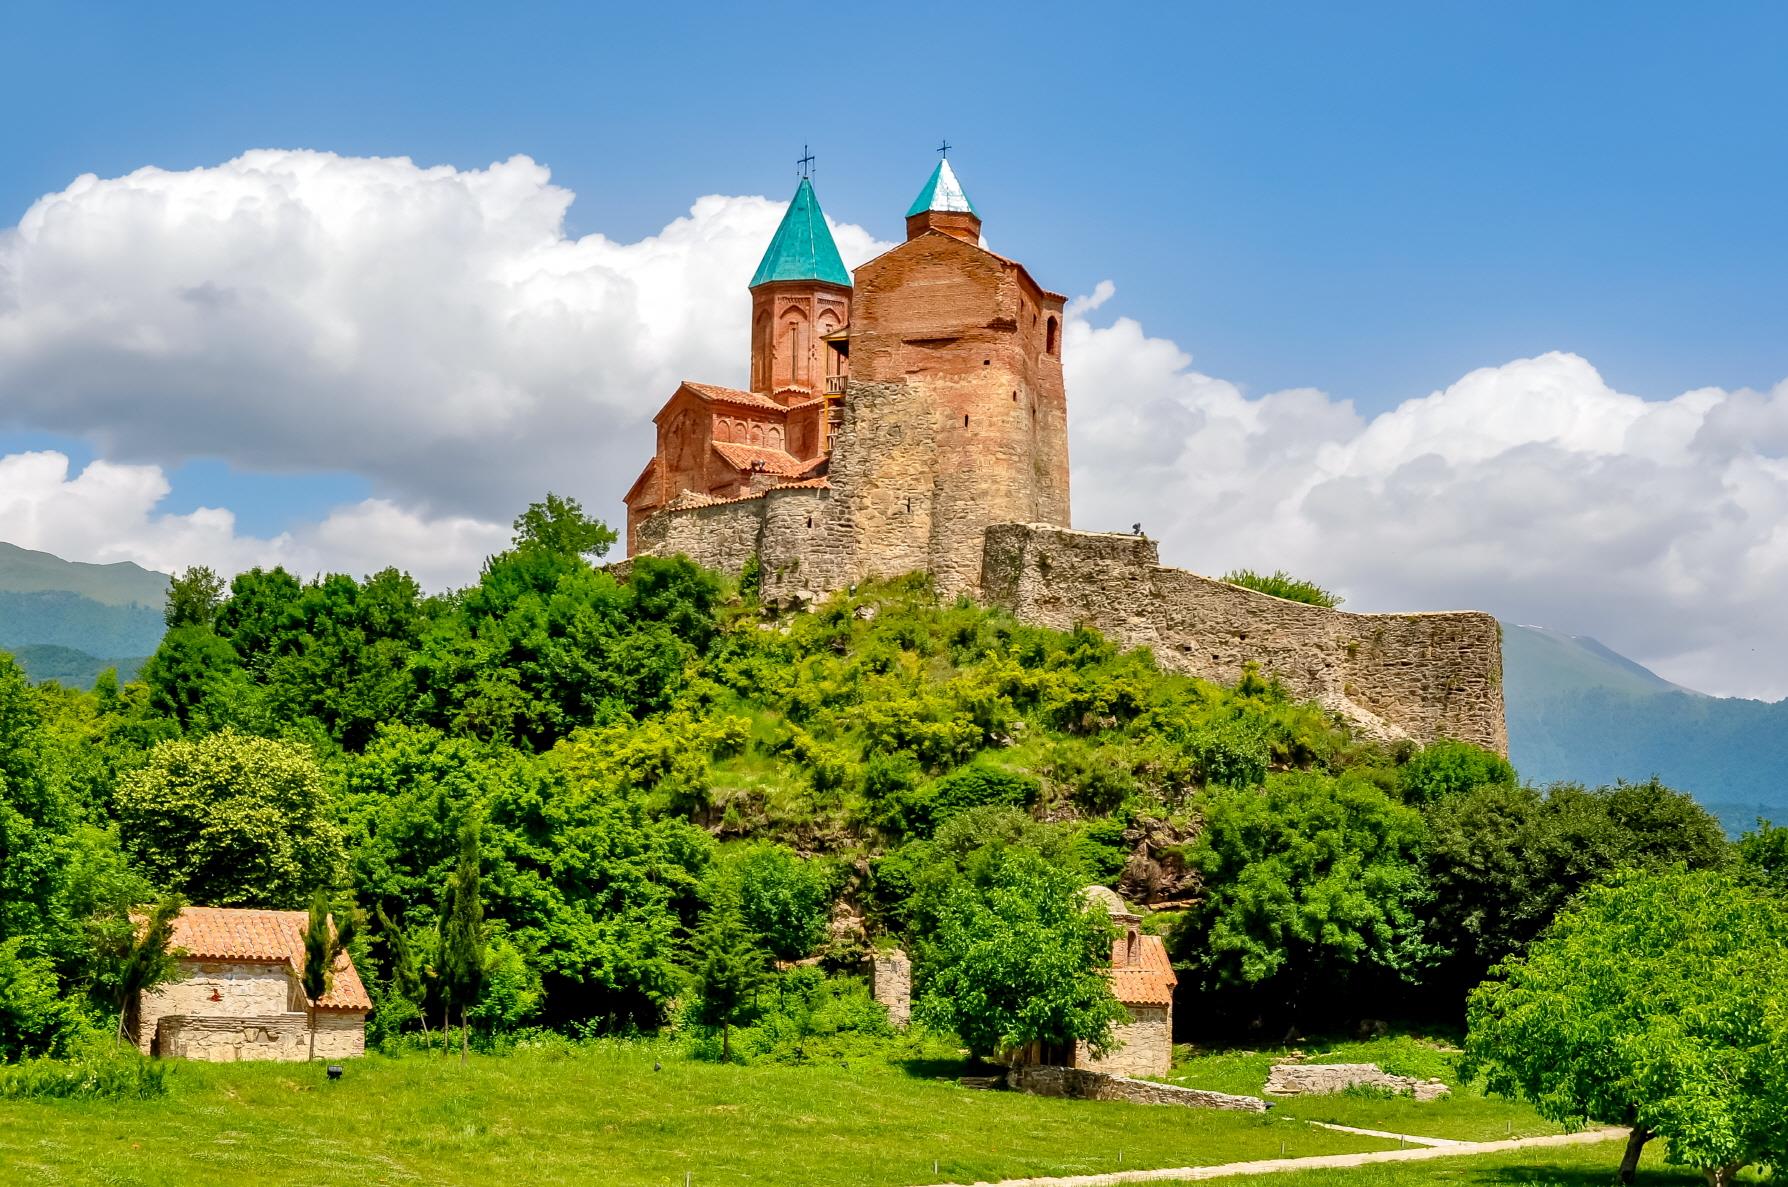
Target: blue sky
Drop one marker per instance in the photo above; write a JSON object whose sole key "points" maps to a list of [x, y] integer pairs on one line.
{"points": [[1371, 200]]}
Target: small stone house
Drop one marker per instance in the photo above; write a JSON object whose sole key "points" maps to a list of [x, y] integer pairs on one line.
{"points": [[238, 995], [1143, 979]]}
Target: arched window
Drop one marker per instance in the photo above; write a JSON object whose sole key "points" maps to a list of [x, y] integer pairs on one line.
{"points": [[1049, 336]]}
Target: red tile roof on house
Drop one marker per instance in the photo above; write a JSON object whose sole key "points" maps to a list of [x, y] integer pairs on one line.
{"points": [[1150, 981], [274, 937], [732, 395], [775, 461]]}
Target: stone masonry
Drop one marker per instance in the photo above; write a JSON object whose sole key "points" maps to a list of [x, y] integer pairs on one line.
{"points": [[1081, 1084], [1318, 1079], [891, 984], [1419, 676]]}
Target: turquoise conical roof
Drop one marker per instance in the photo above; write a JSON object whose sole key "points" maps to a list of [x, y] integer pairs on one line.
{"points": [[942, 192], [803, 247]]}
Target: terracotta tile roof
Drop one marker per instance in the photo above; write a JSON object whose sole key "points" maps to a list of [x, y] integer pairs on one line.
{"points": [[775, 461], [731, 395], [803, 484], [1150, 981], [277, 937]]}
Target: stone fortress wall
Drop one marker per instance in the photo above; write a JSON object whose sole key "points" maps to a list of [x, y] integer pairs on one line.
{"points": [[1417, 676]]}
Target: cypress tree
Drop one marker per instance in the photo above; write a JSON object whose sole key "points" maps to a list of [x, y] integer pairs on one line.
{"points": [[323, 944], [462, 932], [729, 969]]}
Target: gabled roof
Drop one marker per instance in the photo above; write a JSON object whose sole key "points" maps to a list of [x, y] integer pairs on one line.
{"points": [[802, 248], [731, 395], [271, 937], [1150, 981], [774, 461], [942, 192]]}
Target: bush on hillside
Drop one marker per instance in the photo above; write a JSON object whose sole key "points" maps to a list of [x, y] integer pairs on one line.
{"points": [[1281, 584]]}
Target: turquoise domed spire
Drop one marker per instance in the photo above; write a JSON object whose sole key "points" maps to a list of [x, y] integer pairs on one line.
{"points": [[942, 192], [803, 247]]}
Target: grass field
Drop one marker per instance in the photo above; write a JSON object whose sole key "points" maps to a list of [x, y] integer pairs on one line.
{"points": [[1467, 1115], [600, 1114], [1561, 1166]]}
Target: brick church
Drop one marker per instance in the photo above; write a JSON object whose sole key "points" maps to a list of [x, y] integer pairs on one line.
{"points": [[893, 414]]}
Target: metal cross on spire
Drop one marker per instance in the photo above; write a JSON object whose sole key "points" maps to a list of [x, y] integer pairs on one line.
{"points": [[806, 161], [943, 150]]}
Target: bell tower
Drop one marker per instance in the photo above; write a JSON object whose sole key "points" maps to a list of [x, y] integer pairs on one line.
{"points": [[800, 306]]}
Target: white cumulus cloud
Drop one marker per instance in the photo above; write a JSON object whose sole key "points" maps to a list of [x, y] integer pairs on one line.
{"points": [[1531, 489], [433, 329]]}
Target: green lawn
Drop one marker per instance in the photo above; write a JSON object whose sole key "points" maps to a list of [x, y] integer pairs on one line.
{"points": [[1466, 1115], [1562, 1166], [600, 1114]]}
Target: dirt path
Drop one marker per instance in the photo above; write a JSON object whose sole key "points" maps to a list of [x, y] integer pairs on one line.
{"points": [[1405, 1138], [1269, 1166]]}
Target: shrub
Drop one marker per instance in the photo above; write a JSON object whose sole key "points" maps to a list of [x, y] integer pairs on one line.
{"points": [[1281, 584], [100, 1070], [1446, 768]]}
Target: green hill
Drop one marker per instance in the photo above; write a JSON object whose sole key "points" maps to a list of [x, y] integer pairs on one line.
{"points": [[119, 584], [71, 668], [87, 610], [1579, 711]]}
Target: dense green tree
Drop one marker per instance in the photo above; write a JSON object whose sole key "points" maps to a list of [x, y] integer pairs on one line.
{"points": [[196, 679], [1503, 859], [1019, 959], [36, 1017], [230, 820], [1763, 856], [35, 816], [1309, 882], [464, 945], [730, 967], [193, 598], [782, 898], [1656, 1002], [559, 525], [406, 994]]}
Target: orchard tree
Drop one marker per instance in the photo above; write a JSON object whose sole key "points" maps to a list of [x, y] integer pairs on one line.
{"points": [[1019, 959], [1659, 1002], [229, 820]]}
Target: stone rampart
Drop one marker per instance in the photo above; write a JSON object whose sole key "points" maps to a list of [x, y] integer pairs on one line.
{"points": [[1080, 1084], [1417, 676], [1319, 1079]]}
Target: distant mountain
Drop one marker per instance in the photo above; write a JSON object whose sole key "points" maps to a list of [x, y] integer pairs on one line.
{"points": [[119, 584], [71, 668], [78, 612], [1582, 712]]}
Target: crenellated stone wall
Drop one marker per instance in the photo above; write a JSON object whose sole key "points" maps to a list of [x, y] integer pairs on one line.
{"points": [[1418, 676]]}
